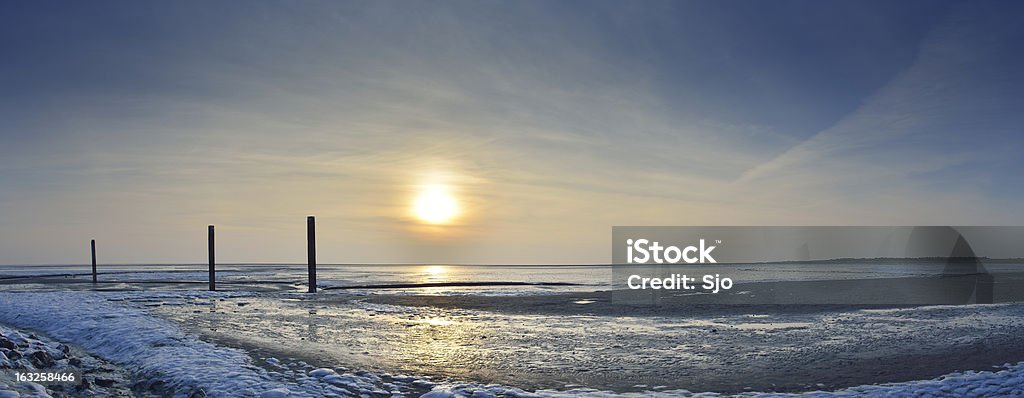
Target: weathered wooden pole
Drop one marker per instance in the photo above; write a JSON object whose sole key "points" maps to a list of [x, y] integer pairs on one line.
{"points": [[213, 272], [93, 246], [311, 251]]}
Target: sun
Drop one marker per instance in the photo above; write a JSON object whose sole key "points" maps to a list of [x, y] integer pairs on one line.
{"points": [[435, 205]]}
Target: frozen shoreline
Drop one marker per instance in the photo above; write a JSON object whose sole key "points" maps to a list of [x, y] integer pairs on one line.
{"points": [[163, 359], [24, 351], [120, 327]]}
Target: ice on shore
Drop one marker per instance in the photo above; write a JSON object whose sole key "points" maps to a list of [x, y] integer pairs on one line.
{"points": [[29, 352], [1008, 382], [169, 361], [165, 359]]}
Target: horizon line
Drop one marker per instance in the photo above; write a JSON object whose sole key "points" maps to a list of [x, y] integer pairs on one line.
{"points": [[837, 259]]}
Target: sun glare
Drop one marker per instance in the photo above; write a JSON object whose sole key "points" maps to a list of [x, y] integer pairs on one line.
{"points": [[434, 205]]}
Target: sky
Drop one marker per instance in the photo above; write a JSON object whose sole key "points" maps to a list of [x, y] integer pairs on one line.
{"points": [[140, 123]]}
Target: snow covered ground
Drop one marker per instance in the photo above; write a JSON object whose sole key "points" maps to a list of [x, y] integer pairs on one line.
{"points": [[164, 358], [29, 352]]}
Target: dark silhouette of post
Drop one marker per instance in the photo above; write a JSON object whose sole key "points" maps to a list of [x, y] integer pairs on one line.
{"points": [[311, 251], [93, 246], [213, 272]]}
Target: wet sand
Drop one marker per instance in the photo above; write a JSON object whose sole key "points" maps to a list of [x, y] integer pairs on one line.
{"points": [[739, 347]]}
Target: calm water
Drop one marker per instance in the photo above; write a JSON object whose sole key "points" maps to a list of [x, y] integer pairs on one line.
{"points": [[583, 277]]}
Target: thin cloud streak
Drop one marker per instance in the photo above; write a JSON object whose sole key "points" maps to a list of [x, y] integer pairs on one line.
{"points": [[550, 130]]}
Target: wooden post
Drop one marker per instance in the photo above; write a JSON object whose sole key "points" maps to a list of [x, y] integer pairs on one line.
{"points": [[213, 272], [93, 246], [311, 251]]}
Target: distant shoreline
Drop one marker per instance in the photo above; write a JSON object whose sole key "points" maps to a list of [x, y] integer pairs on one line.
{"points": [[842, 260]]}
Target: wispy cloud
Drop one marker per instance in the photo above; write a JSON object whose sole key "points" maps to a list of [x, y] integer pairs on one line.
{"points": [[912, 151], [551, 129]]}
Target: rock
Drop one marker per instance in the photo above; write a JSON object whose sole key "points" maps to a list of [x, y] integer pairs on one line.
{"points": [[9, 394], [41, 360], [4, 343], [105, 382], [75, 362]]}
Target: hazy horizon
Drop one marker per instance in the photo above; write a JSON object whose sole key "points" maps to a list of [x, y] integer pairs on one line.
{"points": [[138, 124], [201, 265]]}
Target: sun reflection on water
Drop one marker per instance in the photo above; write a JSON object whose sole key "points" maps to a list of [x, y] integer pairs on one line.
{"points": [[434, 271], [434, 274], [438, 321]]}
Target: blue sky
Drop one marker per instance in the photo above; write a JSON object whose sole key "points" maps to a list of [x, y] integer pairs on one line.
{"points": [[139, 123]]}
